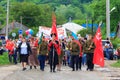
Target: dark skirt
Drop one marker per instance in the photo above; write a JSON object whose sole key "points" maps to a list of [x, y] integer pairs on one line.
{"points": [[32, 59], [24, 58]]}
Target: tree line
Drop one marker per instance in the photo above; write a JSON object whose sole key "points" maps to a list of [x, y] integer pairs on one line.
{"points": [[38, 12]]}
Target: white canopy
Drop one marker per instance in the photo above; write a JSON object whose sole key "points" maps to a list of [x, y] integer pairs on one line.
{"points": [[72, 27]]}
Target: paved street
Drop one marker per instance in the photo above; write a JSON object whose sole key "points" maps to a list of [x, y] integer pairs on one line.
{"points": [[15, 73]]}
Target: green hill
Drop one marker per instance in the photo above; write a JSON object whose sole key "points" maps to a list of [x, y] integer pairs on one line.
{"points": [[38, 12]]}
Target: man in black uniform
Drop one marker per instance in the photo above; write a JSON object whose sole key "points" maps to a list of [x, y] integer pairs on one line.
{"points": [[53, 55]]}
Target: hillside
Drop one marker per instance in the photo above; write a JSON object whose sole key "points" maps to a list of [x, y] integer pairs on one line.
{"points": [[38, 12]]}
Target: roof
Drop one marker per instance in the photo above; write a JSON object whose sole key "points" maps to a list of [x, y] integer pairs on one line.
{"points": [[12, 26], [72, 27], [90, 25]]}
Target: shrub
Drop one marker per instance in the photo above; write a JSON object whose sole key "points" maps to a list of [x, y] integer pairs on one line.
{"points": [[4, 59]]}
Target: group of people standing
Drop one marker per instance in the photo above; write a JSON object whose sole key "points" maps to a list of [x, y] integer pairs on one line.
{"points": [[54, 51]]}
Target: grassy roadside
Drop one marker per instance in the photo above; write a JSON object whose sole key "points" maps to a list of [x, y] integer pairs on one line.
{"points": [[116, 64], [4, 59]]}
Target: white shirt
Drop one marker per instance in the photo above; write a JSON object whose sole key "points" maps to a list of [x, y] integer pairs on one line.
{"points": [[24, 48]]}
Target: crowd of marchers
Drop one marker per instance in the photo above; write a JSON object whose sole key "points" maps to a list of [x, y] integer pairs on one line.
{"points": [[66, 52]]}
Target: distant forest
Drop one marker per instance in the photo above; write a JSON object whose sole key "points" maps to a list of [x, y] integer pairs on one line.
{"points": [[38, 12]]}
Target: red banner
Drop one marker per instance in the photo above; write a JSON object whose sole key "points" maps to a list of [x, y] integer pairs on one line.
{"points": [[98, 53]]}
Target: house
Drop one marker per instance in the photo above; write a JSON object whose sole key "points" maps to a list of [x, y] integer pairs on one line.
{"points": [[12, 26]]}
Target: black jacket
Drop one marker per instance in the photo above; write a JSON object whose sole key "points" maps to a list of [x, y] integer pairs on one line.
{"points": [[29, 51]]}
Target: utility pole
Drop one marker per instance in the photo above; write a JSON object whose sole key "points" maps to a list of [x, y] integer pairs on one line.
{"points": [[7, 19], [21, 22], [108, 18]]}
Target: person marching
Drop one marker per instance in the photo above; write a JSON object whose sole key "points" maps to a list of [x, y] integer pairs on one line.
{"points": [[53, 55], [24, 51], [81, 52], [89, 50], [10, 47], [84, 53], [32, 59], [42, 50], [75, 50], [60, 57]]}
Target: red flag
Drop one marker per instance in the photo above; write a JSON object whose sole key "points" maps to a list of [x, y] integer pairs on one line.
{"points": [[98, 52], [10, 45], [54, 31]]}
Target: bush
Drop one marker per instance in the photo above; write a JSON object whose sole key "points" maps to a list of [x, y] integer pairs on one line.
{"points": [[116, 64], [84, 32], [115, 42], [4, 59]]}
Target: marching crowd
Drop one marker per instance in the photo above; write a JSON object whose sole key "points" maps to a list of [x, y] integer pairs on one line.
{"points": [[71, 52]]}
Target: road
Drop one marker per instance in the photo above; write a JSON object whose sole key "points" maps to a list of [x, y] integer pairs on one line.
{"points": [[14, 72]]}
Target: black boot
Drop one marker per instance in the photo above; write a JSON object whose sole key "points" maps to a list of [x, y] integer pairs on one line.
{"points": [[50, 70], [73, 69], [54, 70], [35, 67], [30, 67], [24, 69]]}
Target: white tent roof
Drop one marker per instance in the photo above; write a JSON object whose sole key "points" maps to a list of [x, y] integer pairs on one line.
{"points": [[72, 27]]}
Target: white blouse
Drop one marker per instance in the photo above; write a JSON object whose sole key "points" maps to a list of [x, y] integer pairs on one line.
{"points": [[24, 48]]}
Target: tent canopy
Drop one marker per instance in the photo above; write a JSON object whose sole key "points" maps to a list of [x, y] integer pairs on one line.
{"points": [[72, 27]]}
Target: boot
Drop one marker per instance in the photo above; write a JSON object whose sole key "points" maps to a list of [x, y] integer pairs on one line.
{"points": [[30, 67], [35, 67]]}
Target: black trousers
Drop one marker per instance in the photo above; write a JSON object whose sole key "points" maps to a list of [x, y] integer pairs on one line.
{"points": [[53, 61], [80, 62], [74, 61], [90, 64]]}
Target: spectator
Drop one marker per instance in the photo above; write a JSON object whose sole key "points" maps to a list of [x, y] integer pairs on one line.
{"points": [[107, 47], [118, 52], [1, 50], [115, 55]]}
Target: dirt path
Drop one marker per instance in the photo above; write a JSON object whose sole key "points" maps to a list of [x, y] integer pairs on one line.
{"points": [[7, 70], [113, 73], [14, 72]]}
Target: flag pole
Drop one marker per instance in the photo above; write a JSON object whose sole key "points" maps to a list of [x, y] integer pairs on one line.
{"points": [[100, 24]]}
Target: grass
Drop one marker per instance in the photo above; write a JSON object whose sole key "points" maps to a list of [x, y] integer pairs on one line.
{"points": [[116, 64], [4, 59]]}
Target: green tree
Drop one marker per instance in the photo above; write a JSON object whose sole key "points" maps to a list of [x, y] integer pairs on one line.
{"points": [[2, 16], [32, 15], [20, 0], [84, 32], [69, 11], [114, 15], [99, 12]]}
